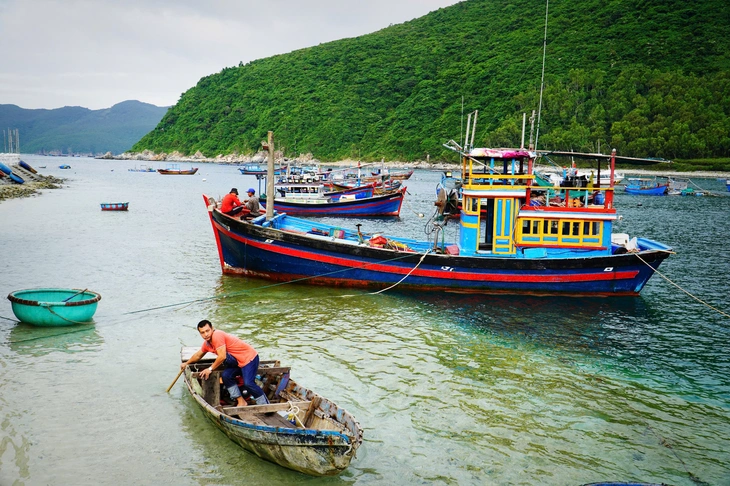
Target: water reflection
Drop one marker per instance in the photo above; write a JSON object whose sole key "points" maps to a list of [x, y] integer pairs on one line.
{"points": [[37, 341]]}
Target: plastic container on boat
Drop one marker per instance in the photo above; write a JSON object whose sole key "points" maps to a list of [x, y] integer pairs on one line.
{"points": [[54, 307]]}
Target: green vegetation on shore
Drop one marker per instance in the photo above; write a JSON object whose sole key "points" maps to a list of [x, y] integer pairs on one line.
{"points": [[649, 78]]}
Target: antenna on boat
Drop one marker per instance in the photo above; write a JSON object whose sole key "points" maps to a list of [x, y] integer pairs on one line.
{"points": [[461, 133], [542, 80], [474, 128]]}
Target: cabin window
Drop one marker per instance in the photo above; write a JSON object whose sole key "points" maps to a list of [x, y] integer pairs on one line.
{"points": [[472, 205], [559, 232]]}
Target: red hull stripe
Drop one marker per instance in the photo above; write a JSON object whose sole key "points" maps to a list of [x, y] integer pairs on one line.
{"points": [[443, 274]]}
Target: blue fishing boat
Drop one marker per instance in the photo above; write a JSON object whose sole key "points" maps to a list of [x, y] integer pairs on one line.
{"points": [[514, 246], [64, 166], [259, 170], [641, 186], [727, 184], [54, 307]]}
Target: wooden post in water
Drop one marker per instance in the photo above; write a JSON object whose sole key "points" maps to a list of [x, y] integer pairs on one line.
{"points": [[270, 194]]}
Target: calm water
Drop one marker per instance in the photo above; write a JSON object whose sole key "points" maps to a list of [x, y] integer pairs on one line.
{"points": [[450, 389]]}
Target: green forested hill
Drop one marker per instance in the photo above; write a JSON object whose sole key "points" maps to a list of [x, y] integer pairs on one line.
{"points": [[73, 129], [650, 78]]}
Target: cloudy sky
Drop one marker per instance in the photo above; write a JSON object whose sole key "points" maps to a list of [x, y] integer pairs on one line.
{"points": [[96, 53]]}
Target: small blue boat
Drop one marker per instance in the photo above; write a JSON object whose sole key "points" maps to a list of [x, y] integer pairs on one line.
{"points": [[27, 167], [646, 187], [64, 166], [54, 307]]}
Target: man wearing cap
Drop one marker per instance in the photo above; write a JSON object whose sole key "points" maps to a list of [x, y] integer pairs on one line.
{"points": [[231, 205], [252, 204]]}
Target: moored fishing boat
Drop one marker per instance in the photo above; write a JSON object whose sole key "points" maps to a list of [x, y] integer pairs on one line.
{"points": [[54, 307], [174, 169], [259, 170], [513, 246], [142, 168], [643, 186], [298, 430], [122, 206], [314, 200]]}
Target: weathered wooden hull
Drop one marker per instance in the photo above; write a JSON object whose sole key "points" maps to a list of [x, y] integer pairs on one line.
{"points": [[312, 451], [177, 172]]}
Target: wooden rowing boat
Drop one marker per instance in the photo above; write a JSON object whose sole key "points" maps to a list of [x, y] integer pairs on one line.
{"points": [[299, 429]]}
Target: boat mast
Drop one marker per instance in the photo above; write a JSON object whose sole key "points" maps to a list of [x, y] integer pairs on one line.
{"points": [[542, 80]]}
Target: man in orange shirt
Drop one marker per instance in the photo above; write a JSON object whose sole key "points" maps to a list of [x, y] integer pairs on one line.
{"points": [[233, 356], [231, 205]]}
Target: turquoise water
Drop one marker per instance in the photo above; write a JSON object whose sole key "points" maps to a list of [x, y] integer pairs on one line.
{"points": [[450, 389]]}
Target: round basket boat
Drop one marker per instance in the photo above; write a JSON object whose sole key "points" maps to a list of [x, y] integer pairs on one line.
{"points": [[54, 307]]}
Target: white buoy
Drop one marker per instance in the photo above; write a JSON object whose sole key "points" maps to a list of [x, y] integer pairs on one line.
{"points": [[204, 180]]}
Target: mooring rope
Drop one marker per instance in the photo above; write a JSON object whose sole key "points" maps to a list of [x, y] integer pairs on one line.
{"points": [[683, 290], [405, 277]]}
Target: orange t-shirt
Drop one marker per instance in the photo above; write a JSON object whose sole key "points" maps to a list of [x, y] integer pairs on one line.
{"points": [[229, 202], [243, 352]]}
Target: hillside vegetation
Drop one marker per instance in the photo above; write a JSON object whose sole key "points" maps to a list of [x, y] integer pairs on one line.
{"points": [[650, 78], [73, 129]]}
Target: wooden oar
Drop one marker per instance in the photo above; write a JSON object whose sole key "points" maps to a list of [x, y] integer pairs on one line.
{"points": [[74, 295], [175, 380]]}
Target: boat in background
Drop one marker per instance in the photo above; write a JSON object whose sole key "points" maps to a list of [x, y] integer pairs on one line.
{"points": [[64, 166], [54, 307], [313, 200], [513, 246], [123, 206], [298, 429], [679, 186], [259, 170], [644, 186], [142, 168], [727, 184], [174, 169]]}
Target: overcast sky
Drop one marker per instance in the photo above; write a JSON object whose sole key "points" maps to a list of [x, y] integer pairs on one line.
{"points": [[96, 53]]}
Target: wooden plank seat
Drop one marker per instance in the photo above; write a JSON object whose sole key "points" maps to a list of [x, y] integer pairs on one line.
{"points": [[267, 414]]}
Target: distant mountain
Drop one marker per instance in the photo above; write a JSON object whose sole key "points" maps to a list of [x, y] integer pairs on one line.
{"points": [[648, 77], [73, 129]]}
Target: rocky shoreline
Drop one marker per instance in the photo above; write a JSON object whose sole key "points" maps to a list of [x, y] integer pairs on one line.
{"points": [[33, 184]]}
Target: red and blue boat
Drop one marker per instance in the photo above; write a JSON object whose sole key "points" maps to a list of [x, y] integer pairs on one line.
{"points": [[514, 246], [314, 200]]}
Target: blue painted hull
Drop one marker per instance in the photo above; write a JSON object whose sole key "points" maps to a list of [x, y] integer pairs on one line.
{"points": [[646, 191], [387, 205], [250, 249]]}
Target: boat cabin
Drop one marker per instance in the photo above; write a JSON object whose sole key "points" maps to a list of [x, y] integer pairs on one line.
{"points": [[505, 213]]}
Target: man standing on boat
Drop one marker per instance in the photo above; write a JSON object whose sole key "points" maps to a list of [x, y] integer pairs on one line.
{"points": [[233, 356], [230, 204], [252, 203]]}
